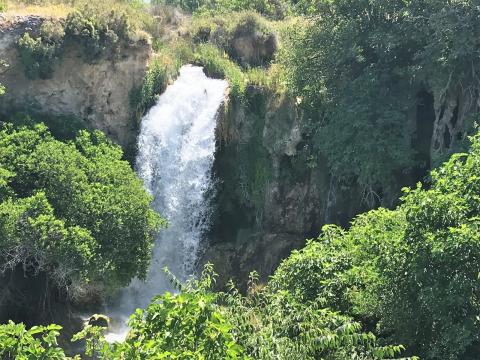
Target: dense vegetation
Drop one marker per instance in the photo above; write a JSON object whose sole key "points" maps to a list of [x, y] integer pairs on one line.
{"points": [[409, 275], [412, 272], [361, 67], [273, 8], [200, 324], [74, 215], [94, 36]]}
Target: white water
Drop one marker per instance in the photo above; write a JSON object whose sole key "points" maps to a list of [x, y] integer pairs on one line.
{"points": [[175, 155]]}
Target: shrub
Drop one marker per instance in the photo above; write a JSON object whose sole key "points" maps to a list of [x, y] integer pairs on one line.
{"points": [[77, 212], [411, 273], [162, 69], [62, 127], [39, 342], [276, 324], [187, 325], [217, 64], [98, 35], [197, 323], [39, 55], [247, 37], [272, 8]]}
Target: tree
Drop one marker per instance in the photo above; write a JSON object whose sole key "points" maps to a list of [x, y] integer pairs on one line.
{"points": [[410, 274], [359, 67], [73, 211]]}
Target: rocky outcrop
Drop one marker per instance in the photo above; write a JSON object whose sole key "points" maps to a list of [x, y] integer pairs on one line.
{"points": [[272, 194], [253, 49], [97, 93]]}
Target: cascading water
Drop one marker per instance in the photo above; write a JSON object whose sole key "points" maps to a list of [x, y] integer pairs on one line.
{"points": [[175, 155]]}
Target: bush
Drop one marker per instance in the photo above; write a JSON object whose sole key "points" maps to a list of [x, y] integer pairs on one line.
{"points": [[247, 37], [74, 212], [217, 64], [98, 35], [39, 55], [39, 342], [197, 323], [359, 67], [162, 69], [61, 127], [411, 273]]}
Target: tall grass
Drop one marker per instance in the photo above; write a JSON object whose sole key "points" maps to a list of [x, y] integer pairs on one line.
{"points": [[136, 10], [217, 63]]}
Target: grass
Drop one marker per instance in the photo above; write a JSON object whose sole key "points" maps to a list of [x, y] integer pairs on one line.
{"points": [[217, 64], [174, 44], [137, 11], [271, 78], [46, 10]]}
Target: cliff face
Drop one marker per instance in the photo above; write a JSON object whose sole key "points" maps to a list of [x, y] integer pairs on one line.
{"points": [[271, 194], [96, 93]]}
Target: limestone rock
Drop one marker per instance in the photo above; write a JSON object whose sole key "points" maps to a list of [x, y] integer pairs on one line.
{"points": [[96, 93]]}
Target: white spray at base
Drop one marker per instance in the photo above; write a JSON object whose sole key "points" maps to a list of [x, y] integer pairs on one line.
{"points": [[176, 147]]}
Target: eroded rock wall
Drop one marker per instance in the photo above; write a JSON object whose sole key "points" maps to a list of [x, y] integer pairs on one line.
{"points": [[97, 93], [271, 194]]}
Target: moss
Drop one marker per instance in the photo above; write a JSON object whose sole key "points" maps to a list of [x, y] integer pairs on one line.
{"points": [[252, 167]]}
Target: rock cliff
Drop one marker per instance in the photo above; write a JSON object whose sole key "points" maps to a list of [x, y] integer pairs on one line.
{"points": [[97, 93], [271, 194]]}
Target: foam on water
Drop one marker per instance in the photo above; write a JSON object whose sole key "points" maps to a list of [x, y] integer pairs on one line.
{"points": [[176, 146]]}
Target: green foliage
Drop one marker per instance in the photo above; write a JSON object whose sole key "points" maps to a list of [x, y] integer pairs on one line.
{"points": [[94, 340], [188, 325], [3, 64], [62, 127], [98, 35], [162, 70], [37, 343], [74, 210], [412, 273], [30, 232], [218, 64], [358, 66], [440, 264], [229, 33], [341, 65], [40, 54], [276, 324], [341, 267], [197, 323]]}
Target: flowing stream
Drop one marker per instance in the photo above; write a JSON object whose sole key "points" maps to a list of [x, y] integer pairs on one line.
{"points": [[175, 155]]}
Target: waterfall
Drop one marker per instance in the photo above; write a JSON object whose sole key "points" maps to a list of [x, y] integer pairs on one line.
{"points": [[175, 155]]}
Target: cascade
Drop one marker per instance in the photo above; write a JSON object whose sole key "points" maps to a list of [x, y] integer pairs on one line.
{"points": [[176, 147]]}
